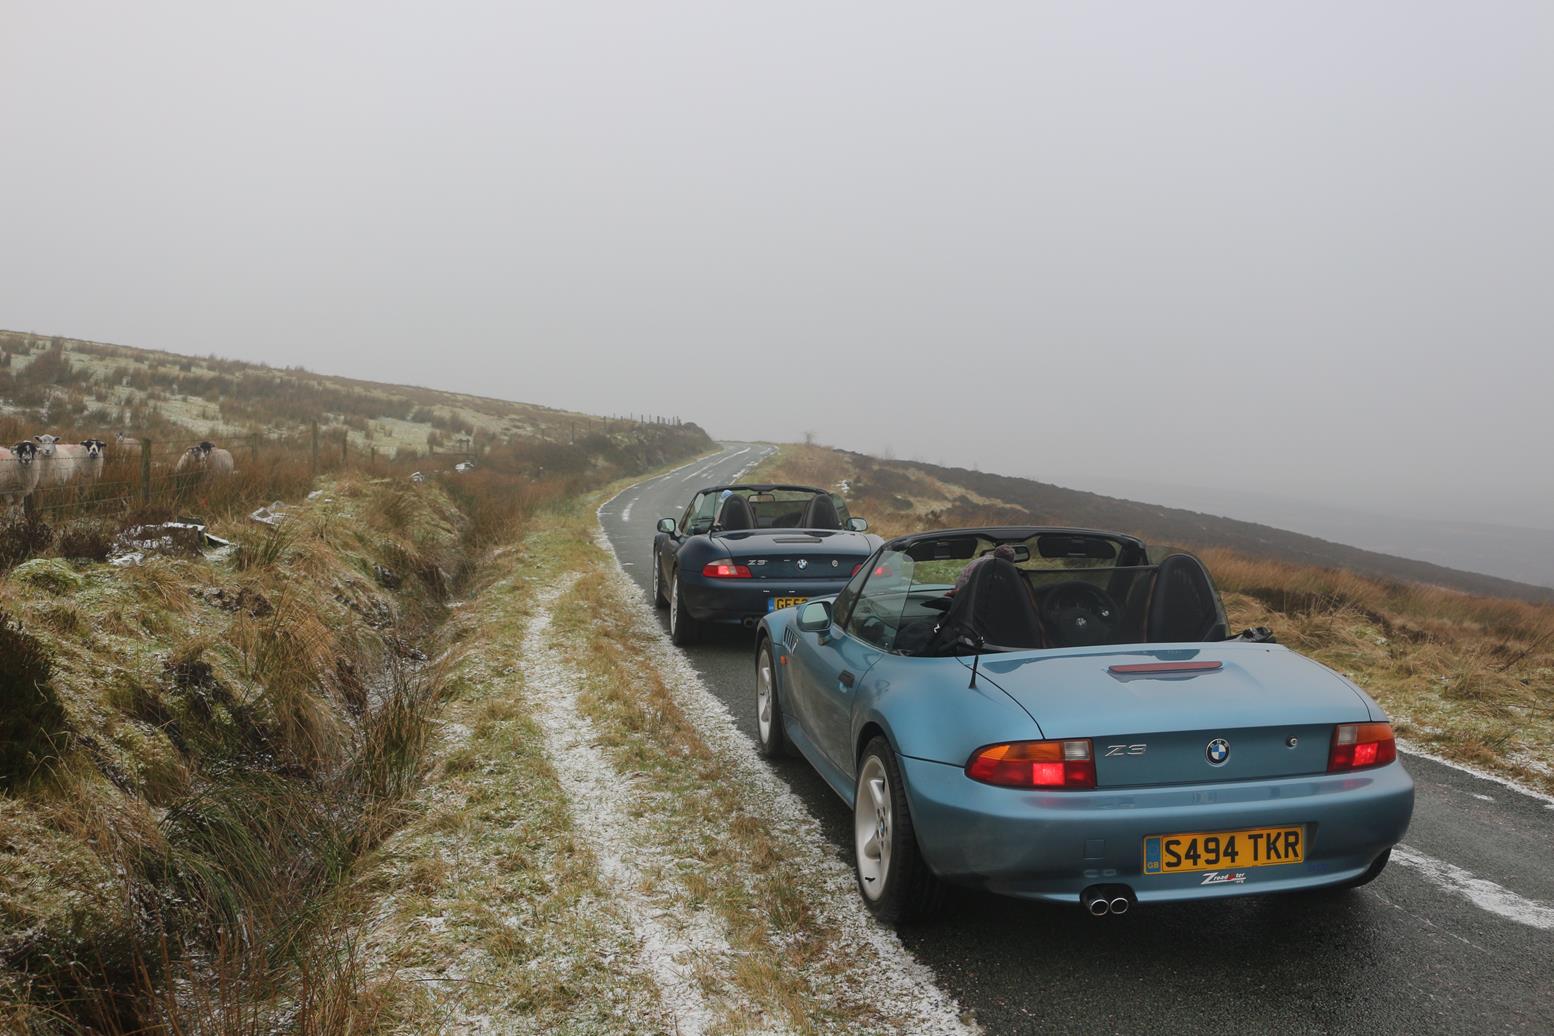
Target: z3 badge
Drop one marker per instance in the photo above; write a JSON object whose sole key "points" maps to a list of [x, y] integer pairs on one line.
{"points": [[1224, 878]]}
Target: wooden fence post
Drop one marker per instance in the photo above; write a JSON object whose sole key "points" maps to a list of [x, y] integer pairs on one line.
{"points": [[315, 449], [253, 449], [145, 471], [345, 446]]}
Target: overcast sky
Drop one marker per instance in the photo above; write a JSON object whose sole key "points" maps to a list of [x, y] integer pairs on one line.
{"points": [[1303, 249]]}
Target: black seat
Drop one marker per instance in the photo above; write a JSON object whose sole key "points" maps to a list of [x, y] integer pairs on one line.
{"points": [[1183, 605], [820, 513], [995, 604], [735, 514]]}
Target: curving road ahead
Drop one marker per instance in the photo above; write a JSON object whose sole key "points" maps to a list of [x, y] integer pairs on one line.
{"points": [[1456, 936]]}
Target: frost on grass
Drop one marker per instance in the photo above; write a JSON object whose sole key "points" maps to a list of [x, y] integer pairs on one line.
{"points": [[855, 973], [491, 917], [588, 858], [674, 940]]}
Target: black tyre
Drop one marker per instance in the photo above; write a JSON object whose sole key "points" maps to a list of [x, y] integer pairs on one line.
{"points": [[893, 878], [659, 600], [771, 742], [683, 629], [1371, 873]]}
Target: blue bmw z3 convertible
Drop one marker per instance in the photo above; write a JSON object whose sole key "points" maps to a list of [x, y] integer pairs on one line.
{"points": [[1047, 713]]}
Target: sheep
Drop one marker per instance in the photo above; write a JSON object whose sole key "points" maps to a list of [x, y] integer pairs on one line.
{"points": [[96, 457], [18, 473], [58, 462], [125, 442], [205, 460]]}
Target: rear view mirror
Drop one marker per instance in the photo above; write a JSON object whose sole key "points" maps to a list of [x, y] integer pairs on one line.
{"points": [[815, 617], [857, 524], [666, 525]]}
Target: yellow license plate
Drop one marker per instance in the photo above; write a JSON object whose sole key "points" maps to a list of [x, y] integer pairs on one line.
{"points": [[785, 602], [1217, 850]]}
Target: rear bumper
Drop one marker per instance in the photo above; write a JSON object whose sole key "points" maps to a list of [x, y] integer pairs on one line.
{"points": [[1047, 845], [739, 600]]}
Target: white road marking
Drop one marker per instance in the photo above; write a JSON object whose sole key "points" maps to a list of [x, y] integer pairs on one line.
{"points": [[1482, 798], [1481, 892], [742, 472], [626, 514], [1504, 782]]}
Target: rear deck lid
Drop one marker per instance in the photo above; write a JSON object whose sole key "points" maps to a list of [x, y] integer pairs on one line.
{"points": [[1170, 714], [791, 554]]}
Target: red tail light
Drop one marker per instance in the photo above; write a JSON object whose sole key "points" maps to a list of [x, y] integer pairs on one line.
{"points": [[1359, 745], [856, 567], [1068, 765], [724, 569]]}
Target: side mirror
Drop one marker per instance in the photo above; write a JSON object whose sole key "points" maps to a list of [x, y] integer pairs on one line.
{"points": [[666, 525], [857, 525], [815, 617]]}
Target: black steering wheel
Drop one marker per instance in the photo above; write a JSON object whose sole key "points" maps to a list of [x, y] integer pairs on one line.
{"points": [[1079, 614]]}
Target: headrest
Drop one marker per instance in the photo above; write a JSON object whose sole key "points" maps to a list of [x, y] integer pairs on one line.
{"points": [[820, 513], [1183, 604], [995, 603], [735, 514]]}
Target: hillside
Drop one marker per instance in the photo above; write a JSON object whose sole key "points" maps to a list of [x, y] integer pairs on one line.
{"points": [[209, 726], [69, 386], [957, 496], [1464, 673]]}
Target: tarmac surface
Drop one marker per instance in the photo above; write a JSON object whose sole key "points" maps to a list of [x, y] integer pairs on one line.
{"points": [[1457, 935]]}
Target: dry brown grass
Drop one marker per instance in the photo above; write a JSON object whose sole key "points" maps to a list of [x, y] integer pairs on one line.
{"points": [[218, 769]]}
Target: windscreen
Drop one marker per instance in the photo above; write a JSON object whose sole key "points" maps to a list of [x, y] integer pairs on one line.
{"points": [[772, 509], [1073, 591]]}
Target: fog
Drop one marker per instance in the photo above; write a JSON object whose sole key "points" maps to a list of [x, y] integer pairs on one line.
{"points": [[1298, 249]]}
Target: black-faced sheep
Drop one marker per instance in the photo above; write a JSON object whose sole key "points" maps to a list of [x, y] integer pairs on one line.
{"points": [[96, 457], [206, 460], [18, 473], [61, 463]]}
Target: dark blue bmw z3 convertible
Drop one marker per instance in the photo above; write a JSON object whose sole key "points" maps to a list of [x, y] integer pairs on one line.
{"points": [[739, 552], [1050, 714]]}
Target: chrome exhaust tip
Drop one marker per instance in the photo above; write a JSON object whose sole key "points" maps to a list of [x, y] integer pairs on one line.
{"points": [[1120, 905], [1095, 902]]}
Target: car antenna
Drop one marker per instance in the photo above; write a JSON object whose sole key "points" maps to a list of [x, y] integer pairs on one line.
{"points": [[974, 641]]}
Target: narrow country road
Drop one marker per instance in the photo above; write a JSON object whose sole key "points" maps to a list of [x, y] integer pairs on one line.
{"points": [[1456, 936]]}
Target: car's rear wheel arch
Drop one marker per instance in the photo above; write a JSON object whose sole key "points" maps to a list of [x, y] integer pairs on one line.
{"points": [[870, 730]]}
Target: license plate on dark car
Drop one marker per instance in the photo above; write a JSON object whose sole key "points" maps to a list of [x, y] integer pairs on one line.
{"points": [[1207, 851], [773, 603]]}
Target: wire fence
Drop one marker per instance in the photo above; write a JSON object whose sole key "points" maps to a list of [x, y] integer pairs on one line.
{"points": [[144, 474]]}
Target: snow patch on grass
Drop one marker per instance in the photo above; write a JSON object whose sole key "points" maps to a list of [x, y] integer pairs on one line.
{"points": [[879, 968], [672, 941]]}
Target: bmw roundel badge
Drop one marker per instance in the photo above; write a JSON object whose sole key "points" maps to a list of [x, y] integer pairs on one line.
{"points": [[1217, 752], [803, 563]]}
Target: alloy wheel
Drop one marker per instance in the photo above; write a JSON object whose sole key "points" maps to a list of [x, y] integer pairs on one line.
{"points": [[763, 694], [872, 827]]}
